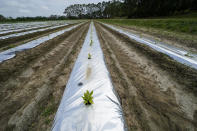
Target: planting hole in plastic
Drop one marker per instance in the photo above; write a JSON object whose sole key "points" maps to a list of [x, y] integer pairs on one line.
{"points": [[80, 84]]}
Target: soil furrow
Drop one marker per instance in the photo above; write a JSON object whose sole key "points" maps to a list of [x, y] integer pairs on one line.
{"points": [[158, 103], [26, 94], [14, 66], [179, 72]]}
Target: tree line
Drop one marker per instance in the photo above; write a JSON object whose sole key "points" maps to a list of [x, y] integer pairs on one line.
{"points": [[118, 9], [131, 8], [37, 18]]}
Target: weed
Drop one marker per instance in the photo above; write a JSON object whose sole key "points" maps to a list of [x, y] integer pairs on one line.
{"points": [[47, 121], [89, 56], [48, 111], [87, 97], [9, 46]]}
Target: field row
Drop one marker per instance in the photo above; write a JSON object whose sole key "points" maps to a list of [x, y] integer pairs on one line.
{"points": [[12, 40], [156, 90], [33, 81], [16, 27]]}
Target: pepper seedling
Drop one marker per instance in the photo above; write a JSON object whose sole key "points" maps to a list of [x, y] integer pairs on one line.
{"points": [[188, 55], [91, 42], [88, 98], [89, 56]]}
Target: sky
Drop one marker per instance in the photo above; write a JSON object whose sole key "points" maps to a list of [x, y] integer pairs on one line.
{"points": [[17, 8]]}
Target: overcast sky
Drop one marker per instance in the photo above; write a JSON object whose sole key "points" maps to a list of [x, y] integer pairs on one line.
{"points": [[15, 8]]}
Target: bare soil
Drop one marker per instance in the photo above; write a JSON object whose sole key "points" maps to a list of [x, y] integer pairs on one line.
{"points": [[156, 92], [32, 83]]}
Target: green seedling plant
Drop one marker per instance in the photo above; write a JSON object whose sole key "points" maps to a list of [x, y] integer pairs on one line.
{"points": [[88, 98], [91, 42], [188, 55], [89, 56]]}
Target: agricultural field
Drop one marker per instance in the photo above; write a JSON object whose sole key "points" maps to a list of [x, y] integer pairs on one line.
{"points": [[178, 29], [55, 74]]}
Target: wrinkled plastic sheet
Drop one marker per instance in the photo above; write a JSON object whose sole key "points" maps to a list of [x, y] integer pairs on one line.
{"points": [[10, 53], [29, 32], [21, 29], [6, 28], [106, 113], [175, 53]]}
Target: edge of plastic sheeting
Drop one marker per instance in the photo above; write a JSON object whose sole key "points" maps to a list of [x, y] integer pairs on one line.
{"points": [[29, 32], [92, 74], [175, 53], [27, 27], [10, 53], [30, 25], [6, 28]]}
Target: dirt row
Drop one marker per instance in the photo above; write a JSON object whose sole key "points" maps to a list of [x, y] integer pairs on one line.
{"points": [[156, 92], [14, 41], [32, 83]]}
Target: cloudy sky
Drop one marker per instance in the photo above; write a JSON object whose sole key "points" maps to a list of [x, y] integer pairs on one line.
{"points": [[15, 8]]}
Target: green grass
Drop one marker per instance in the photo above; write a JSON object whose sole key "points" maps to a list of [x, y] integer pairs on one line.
{"points": [[10, 46], [47, 121], [48, 111], [175, 24]]}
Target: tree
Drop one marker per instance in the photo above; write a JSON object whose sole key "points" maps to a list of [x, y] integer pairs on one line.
{"points": [[2, 17]]}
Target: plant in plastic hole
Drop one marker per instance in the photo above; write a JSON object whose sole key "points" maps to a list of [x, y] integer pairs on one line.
{"points": [[188, 55], [88, 98], [91, 42], [89, 56]]}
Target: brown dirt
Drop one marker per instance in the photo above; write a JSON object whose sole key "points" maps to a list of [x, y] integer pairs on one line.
{"points": [[152, 87], [33, 82], [179, 72]]}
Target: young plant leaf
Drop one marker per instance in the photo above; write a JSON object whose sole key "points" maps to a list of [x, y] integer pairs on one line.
{"points": [[88, 98], [89, 56], [91, 42]]}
